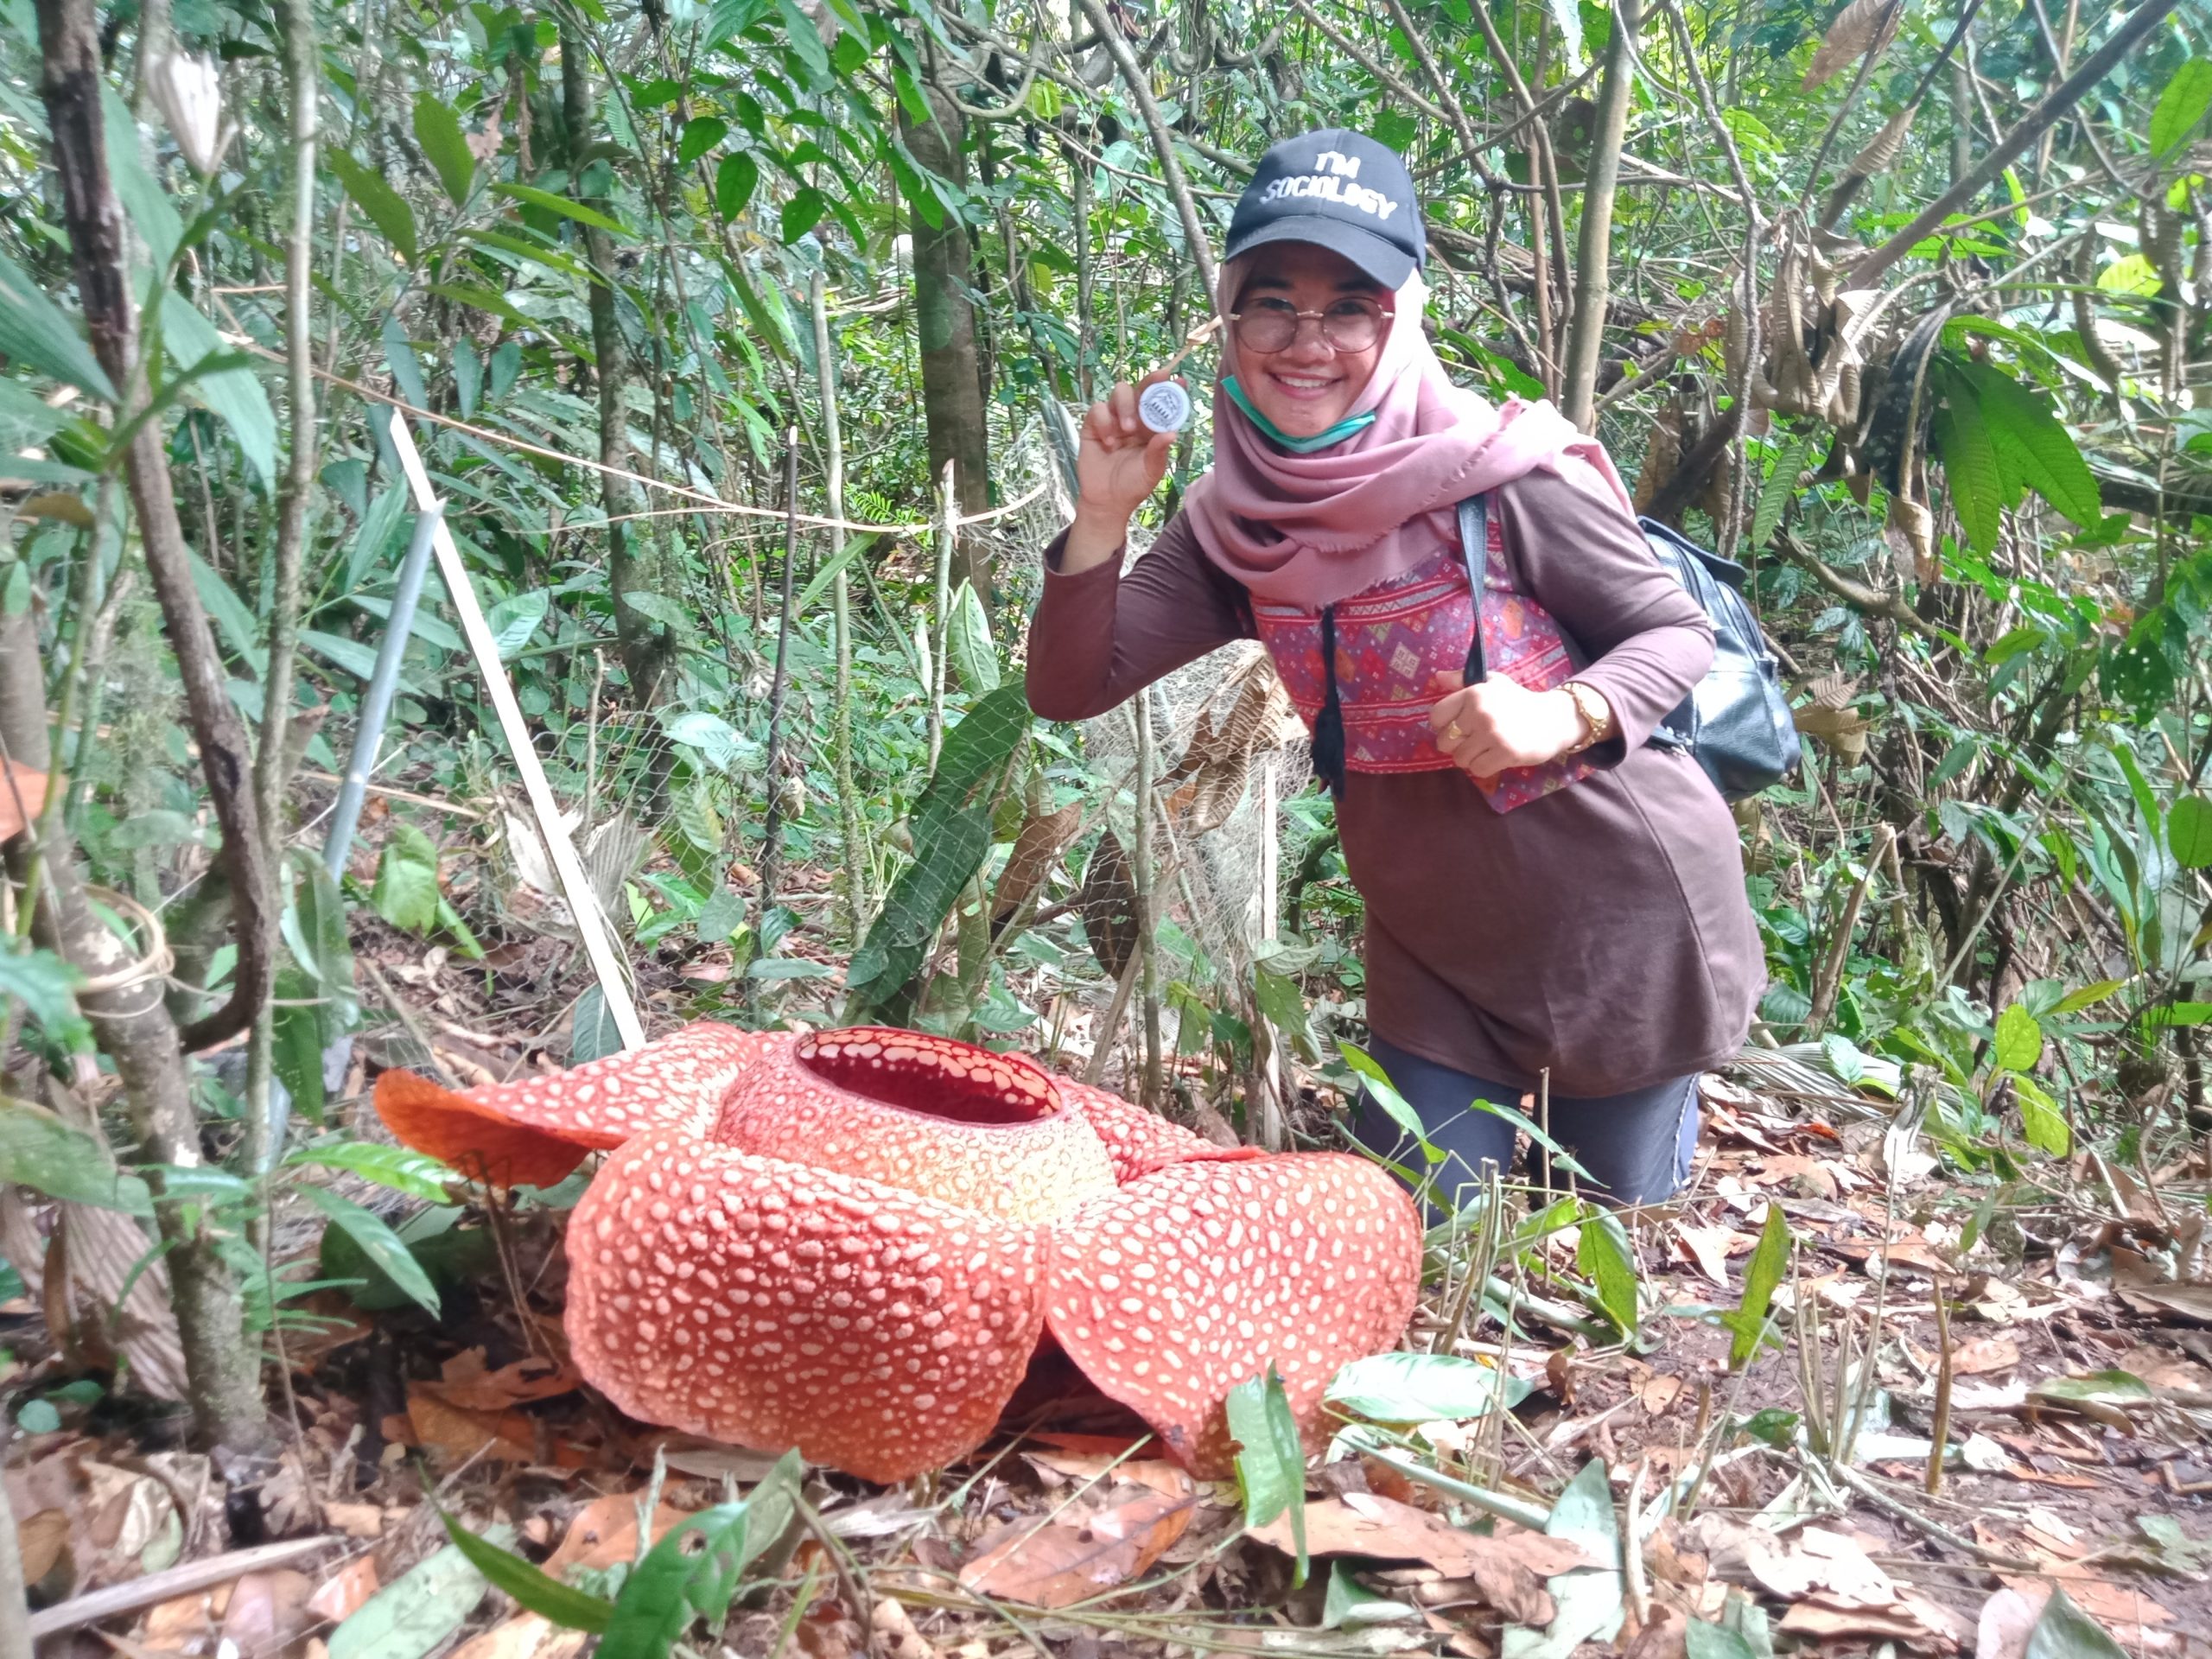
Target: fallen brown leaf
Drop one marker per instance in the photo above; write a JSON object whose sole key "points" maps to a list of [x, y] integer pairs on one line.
{"points": [[466, 1383], [526, 1635], [1666, 1636], [1984, 1355], [1507, 1569], [1082, 1551], [605, 1532], [1816, 1560], [341, 1594], [1661, 1393], [1825, 1618], [891, 1633], [268, 1613], [1168, 1479]]}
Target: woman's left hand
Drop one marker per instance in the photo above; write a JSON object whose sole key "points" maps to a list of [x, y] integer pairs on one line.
{"points": [[1500, 724]]}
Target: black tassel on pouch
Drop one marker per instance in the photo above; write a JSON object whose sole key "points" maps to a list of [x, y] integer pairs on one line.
{"points": [[1329, 724]]}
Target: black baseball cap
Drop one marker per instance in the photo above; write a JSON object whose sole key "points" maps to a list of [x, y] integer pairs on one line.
{"points": [[1339, 190]]}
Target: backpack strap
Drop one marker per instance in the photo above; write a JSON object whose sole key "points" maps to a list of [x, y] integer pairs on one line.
{"points": [[1474, 553]]}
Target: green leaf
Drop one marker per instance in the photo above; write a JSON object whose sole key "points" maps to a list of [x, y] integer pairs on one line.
{"points": [[468, 378], [1770, 1261], [1284, 1004], [2040, 1118], [232, 395], [2018, 1043], [2178, 1013], [920, 899], [719, 917], [401, 1168], [1704, 1641], [2075, 1001], [975, 751], [2189, 832], [1607, 1259], [1587, 1599], [38, 1150], [695, 1571], [437, 129], [532, 196], [2029, 438], [515, 618], [592, 1033], [2113, 1384], [383, 206], [718, 743], [1270, 1459], [37, 334], [803, 213], [1970, 464], [1382, 1090], [379, 1244], [2181, 107], [406, 892], [416, 1611], [574, 1609], [701, 134], [354, 655], [297, 1049], [44, 983], [658, 607], [734, 180], [1401, 1387], [1774, 494], [968, 642]]}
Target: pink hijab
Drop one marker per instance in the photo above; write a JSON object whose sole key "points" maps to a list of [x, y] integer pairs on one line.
{"points": [[1311, 529]]}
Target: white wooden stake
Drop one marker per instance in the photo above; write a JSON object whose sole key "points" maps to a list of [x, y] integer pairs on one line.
{"points": [[568, 869]]}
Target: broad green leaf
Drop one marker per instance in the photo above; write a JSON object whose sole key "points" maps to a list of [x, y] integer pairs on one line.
{"points": [[920, 899], [384, 205], [354, 655], [735, 179], [968, 642], [695, 1571], [1284, 1004], [2040, 1120], [2095, 1385], [401, 1168], [37, 334], [1587, 1599], [2189, 832], [658, 607], [379, 1244], [2029, 438], [406, 891], [468, 378], [234, 395], [532, 196], [1607, 1259], [2178, 1013], [1270, 1459], [2075, 1001], [701, 134], [1345, 1603], [2181, 107], [437, 129], [2130, 274], [566, 1605], [40, 1151], [515, 618], [2018, 1043], [1377, 1084], [718, 741], [975, 751], [416, 1611], [1970, 464], [1770, 1261], [297, 1047], [44, 983], [1401, 1387], [25, 420], [592, 1033], [802, 212], [719, 917]]}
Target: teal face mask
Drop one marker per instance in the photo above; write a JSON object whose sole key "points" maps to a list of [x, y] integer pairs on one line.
{"points": [[1274, 434]]}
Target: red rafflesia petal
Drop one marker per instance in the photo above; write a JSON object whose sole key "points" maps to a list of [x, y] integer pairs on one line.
{"points": [[1179, 1287], [1140, 1141], [533, 1131], [754, 1300], [989, 1132]]}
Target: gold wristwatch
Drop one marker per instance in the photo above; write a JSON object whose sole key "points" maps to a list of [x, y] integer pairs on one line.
{"points": [[1597, 713]]}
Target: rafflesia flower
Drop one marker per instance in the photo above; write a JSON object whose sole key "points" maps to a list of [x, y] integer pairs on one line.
{"points": [[852, 1242]]}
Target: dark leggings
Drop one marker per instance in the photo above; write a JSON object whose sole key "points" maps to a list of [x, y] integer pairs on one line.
{"points": [[1638, 1146]]}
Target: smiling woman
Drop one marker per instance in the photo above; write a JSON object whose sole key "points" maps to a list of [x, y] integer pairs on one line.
{"points": [[1548, 900]]}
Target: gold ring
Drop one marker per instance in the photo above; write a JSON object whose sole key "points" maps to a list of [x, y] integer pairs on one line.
{"points": [[1453, 735]]}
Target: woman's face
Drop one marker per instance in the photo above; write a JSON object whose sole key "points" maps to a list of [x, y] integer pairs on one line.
{"points": [[1307, 387]]}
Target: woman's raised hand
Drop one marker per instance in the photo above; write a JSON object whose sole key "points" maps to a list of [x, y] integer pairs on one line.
{"points": [[1501, 723], [1120, 463]]}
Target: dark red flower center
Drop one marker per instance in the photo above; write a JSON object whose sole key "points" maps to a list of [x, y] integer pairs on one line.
{"points": [[932, 1075]]}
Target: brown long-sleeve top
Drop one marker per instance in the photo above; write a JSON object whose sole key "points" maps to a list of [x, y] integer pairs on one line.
{"points": [[1601, 931]]}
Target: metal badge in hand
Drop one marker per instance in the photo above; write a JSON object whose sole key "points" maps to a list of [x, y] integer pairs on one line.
{"points": [[1164, 407]]}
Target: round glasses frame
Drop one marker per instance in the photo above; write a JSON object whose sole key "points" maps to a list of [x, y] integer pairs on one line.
{"points": [[1273, 326]]}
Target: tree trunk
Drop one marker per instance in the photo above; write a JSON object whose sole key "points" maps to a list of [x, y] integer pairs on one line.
{"points": [[133, 1027], [634, 563], [953, 402], [71, 86], [1585, 336]]}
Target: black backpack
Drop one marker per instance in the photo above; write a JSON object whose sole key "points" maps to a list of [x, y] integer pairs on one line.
{"points": [[1736, 721]]}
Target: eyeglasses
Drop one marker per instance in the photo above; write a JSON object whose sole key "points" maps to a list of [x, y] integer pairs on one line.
{"points": [[1351, 324]]}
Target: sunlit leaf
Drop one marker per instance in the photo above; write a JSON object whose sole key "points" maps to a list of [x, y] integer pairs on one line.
{"points": [[1270, 1459], [437, 129]]}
